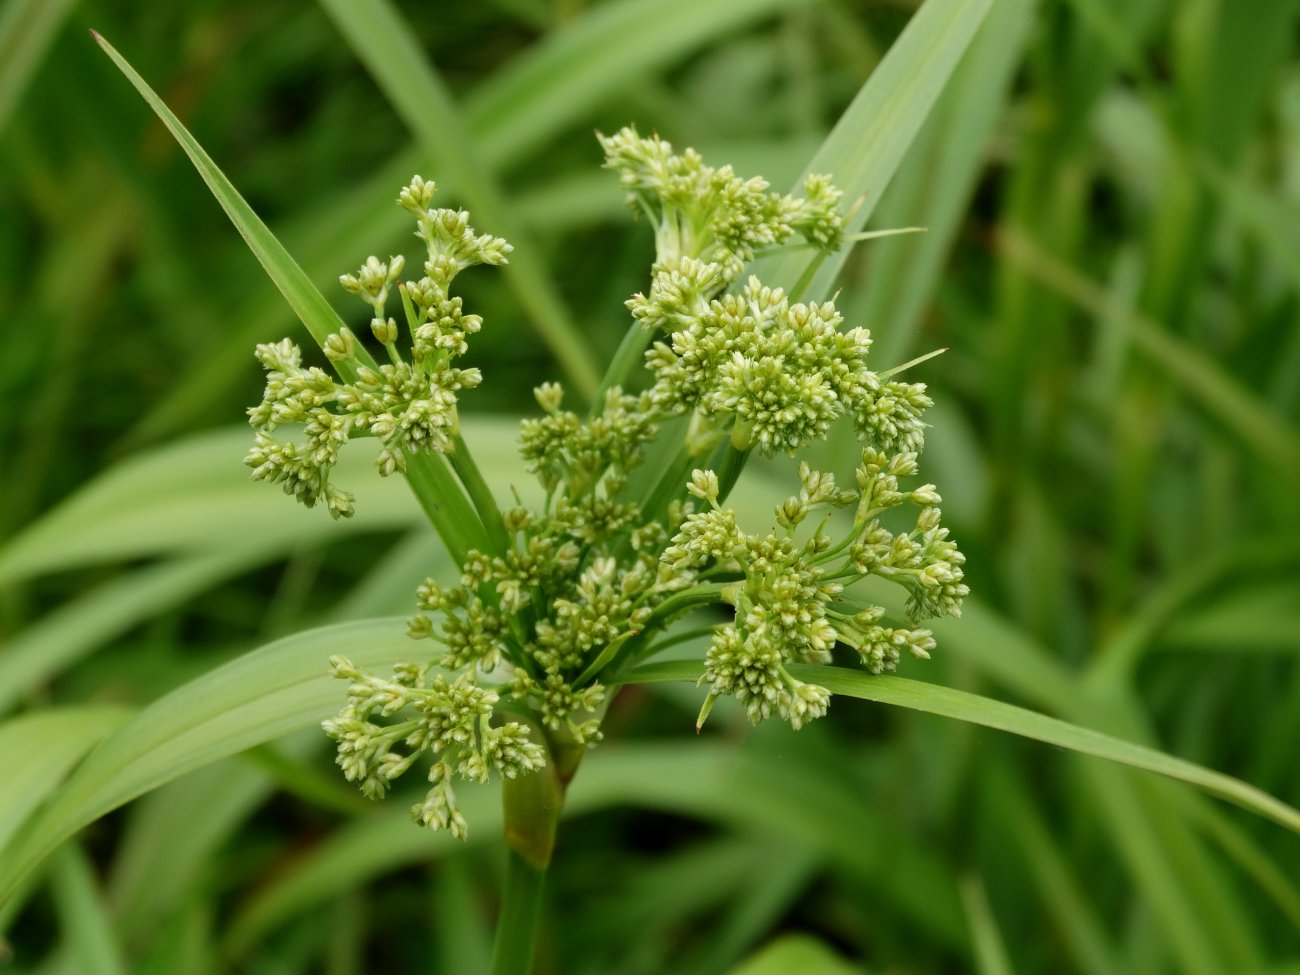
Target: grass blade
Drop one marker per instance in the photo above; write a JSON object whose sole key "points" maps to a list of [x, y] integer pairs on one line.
{"points": [[951, 703], [83, 915], [1273, 439], [308, 304], [37, 750], [27, 28], [869, 141], [581, 65], [77, 629], [989, 948], [428, 474], [270, 692]]}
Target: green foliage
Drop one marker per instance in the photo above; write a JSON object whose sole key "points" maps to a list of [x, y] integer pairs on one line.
{"points": [[1109, 196]]}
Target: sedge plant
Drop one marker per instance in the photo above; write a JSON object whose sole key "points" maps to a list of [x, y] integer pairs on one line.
{"points": [[560, 602], [629, 560]]}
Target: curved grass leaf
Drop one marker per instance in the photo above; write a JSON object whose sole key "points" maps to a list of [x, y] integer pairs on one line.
{"points": [[37, 750], [261, 696], [429, 475], [934, 189], [951, 703], [786, 794], [195, 496], [317, 314], [77, 629], [868, 142]]}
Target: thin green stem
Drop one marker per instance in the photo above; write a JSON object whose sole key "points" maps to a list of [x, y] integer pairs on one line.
{"points": [[531, 806], [630, 352], [462, 462], [683, 602], [732, 463]]}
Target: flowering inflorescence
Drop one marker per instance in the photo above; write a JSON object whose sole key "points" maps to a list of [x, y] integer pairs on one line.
{"points": [[451, 720], [787, 597], [573, 590], [711, 214], [409, 405]]}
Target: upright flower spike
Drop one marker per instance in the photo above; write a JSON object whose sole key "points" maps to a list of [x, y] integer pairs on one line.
{"points": [[713, 215], [408, 404]]}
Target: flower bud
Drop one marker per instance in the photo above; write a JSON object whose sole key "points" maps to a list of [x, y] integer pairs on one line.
{"points": [[704, 485], [926, 495], [791, 512], [549, 396], [385, 330], [340, 346]]}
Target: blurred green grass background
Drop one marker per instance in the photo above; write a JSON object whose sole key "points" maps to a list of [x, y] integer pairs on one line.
{"points": [[1112, 191]]}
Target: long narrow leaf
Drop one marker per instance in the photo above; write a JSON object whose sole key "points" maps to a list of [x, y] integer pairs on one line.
{"points": [[75, 630], [429, 475], [308, 304], [1274, 440], [951, 703], [88, 931], [263, 695], [37, 750], [869, 141]]}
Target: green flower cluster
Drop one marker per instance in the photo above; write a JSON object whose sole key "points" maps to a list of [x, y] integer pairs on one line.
{"points": [[561, 597], [452, 722], [778, 373], [410, 406], [711, 214], [787, 599]]}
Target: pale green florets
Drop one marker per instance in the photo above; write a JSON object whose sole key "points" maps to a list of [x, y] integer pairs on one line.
{"points": [[789, 605], [712, 214], [780, 372], [563, 597], [925, 561], [410, 406], [560, 448], [888, 414], [449, 719]]}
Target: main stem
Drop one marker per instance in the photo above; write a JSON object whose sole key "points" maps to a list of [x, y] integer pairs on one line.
{"points": [[531, 804], [521, 908]]}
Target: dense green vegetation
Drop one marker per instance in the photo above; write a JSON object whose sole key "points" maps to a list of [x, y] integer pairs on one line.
{"points": [[1111, 192]]}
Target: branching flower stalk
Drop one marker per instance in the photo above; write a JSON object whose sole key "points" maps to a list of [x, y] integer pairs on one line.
{"points": [[633, 533]]}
